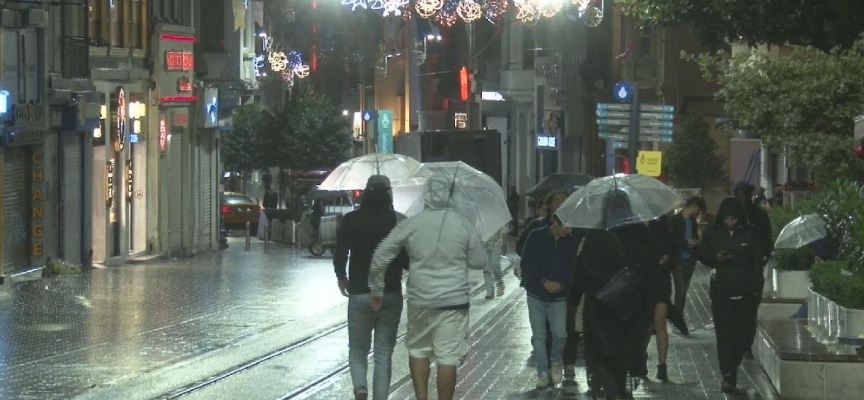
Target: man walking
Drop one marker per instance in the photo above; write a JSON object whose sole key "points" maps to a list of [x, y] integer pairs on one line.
{"points": [[684, 237], [361, 232], [442, 245]]}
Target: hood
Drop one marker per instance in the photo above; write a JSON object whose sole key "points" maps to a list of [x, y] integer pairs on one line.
{"points": [[743, 186], [729, 207], [437, 194]]}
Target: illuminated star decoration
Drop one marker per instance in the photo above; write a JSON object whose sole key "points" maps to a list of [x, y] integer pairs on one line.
{"points": [[546, 8], [428, 8], [495, 10], [278, 61], [469, 11], [447, 15], [301, 70], [526, 13], [389, 7], [356, 3], [258, 65]]}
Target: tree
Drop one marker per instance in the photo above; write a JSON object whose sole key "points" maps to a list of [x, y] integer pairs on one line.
{"points": [[241, 147], [692, 160], [803, 100], [823, 24], [314, 133]]}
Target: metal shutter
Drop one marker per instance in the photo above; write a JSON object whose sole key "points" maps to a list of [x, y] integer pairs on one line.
{"points": [[175, 195], [16, 202], [782, 169], [206, 198], [72, 198]]}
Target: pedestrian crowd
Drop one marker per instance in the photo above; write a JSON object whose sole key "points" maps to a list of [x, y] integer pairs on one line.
{"points": [[611, 289]]}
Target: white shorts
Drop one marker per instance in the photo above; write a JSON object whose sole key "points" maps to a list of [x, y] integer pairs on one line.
{"points": [[439, 333]]}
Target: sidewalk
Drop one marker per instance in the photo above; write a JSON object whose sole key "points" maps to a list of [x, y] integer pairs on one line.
{"points": [[499, 365]]}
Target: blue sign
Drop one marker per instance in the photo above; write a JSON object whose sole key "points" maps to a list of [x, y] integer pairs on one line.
{"points": [[622, 92], [367, 115], [385, 131], [134, 138]]}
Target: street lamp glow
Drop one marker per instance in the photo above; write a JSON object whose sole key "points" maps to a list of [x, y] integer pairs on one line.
{"points": [[344, 113]]}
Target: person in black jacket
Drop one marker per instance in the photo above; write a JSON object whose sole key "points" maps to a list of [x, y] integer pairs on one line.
{"points": [[684, 239], [731, 248], [360, 233], [550, 205]]}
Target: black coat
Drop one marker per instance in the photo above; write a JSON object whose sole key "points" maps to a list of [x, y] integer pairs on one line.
{"points": [[360, 233], [742, 274]]}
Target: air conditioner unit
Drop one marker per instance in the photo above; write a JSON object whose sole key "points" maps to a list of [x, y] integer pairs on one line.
{"points": [[37, 18]]}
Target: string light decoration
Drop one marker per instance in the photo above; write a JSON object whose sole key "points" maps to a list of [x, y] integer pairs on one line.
{"points": [[428, 8], [294, 59], [258, 65], [447, 16], [495, 10], [525, 12], [389, 7], [469, 11], [547, 8], [301, 71], [355, 4], [593, 16], [278, 61], [418, 51]]}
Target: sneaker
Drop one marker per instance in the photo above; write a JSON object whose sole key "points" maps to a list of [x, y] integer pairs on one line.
{"points": [[570, 387], [662, 373], [361, 394], [556, 369], [542, 380]]}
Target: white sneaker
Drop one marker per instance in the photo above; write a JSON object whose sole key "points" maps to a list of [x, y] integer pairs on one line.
{"points": [[556, 368], [542, 380]]}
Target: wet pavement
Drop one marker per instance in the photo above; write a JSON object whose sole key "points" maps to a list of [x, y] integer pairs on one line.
{"points": [[161, 330]]}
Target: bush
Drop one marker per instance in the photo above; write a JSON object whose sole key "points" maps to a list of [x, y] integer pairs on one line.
{"points": [[842, 205], [794, 259], [780, 216], [833, 280]]}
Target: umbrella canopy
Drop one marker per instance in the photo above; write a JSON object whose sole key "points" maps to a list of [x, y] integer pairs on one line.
{"points": [[566, 182], [471, 193], [801, 231], [617, 200], [354, 173]]}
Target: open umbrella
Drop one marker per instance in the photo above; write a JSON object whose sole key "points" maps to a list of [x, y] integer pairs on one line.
{"points": [[801, 231], [471, 193], [617, 200], [354, 173], [566, 182]]}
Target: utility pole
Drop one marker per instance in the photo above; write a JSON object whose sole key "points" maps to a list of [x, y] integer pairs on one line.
{"points": [[633, 138]]}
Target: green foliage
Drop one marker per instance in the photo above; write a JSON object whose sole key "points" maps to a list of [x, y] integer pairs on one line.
{"points": [[315, 134], [842, 206], [241, 148], [834, 280], [803, 100], [692, 160], [794, 259], [781, 216], [823, 24]]}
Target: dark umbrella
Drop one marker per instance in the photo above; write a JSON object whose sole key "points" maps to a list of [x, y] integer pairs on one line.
{"points": [[566, 182]]}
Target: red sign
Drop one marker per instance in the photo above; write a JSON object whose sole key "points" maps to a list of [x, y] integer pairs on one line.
{"points": [[181, 119], [184, 84], [176, 60], [163, 133], [464, 84]]}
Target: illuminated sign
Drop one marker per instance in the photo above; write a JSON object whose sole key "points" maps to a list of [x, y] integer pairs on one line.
{"points": [[129, 180], [460, 120], [547, 141], [177, 60], [184, 84], [37, 228], [119, 138], [492, 96], [163, 133], [4, 102], [181, 119], [109, 183], [464, 84]]}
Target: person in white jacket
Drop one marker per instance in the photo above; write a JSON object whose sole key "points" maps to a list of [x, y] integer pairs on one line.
{"points": [[442, 245]]}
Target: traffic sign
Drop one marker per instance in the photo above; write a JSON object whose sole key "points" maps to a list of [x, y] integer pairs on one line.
{"points": [[656, 124], [649, 163], [642, 138], [655, 116], [608, 121], [645, 132], [652, 108], [658, 132], [613, 107], [612, 114], [622, 92]]}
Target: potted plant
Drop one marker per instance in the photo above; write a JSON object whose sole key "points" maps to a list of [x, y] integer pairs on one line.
{"points": [[791, 272]]}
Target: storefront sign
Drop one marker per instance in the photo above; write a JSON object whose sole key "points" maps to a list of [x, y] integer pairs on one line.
{"points": [[163, 133], [184, 84], [211, 108], [547, 141], [109, 183], [460, 120], [119, 131], [37, 200], [130, 179], [176, 53], [181, 119], [178, 60]]}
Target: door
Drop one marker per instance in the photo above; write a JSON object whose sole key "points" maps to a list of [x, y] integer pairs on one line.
{"points": [[16, 204], [175, 194], [72, 198]]}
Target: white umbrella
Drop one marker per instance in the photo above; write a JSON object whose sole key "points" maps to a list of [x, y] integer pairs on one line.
{"points": [[354, 173], [801, 231], [470, 192], [617, 200]]}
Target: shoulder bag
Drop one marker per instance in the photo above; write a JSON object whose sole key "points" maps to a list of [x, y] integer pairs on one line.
{"points": [[621, 294]]}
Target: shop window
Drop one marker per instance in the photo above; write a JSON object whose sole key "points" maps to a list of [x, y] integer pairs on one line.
{"points": [[137, 36]]}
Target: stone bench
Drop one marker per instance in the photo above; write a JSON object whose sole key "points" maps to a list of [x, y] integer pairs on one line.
{"points": [[803, 368]]}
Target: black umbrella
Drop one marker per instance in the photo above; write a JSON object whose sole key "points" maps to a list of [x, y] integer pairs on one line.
{"points": [[566, 182]]}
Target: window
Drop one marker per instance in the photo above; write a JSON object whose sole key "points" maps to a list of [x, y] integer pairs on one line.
{"points": [[213, 32], [118, 23], [97, 16]]}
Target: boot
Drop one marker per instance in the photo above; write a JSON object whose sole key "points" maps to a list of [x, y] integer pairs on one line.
{"points": [[662, 373]]}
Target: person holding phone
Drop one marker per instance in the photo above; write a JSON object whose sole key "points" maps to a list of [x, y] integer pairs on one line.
{"points": [[731, 248]]}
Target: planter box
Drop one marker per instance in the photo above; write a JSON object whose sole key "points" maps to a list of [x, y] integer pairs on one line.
{"points": [[817, 313], [851, 322], [282, 232], [828, 320], [791, 284]]}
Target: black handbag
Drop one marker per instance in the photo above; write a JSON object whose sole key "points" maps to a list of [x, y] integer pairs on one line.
{"points": [[621, 294]]}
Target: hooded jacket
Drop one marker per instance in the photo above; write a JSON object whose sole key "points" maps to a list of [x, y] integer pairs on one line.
{"points": [[757, 218], [360, 233], [741, 274], [442, 245]]}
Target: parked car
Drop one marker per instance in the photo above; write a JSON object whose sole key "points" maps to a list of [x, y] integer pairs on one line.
{"points": [[238, 209]]}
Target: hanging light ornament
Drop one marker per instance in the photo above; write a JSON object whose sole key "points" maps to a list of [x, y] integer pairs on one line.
{"points": [[593, 17], [294, 59], [525, 12], [428, 8], [547, 8], [288, 77], [278, 61], [447, 15], [301, 70], [356, 3], [389, 7], [495, 10], [469, 11], [582, 4]]}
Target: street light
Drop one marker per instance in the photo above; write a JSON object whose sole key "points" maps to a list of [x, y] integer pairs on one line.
{"points": [[344, 113]]}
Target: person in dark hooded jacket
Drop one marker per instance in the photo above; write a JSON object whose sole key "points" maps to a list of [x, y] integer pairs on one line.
{"points": [[732, 249]]}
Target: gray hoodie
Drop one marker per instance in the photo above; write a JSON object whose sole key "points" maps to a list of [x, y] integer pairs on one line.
{"points": [[442, 245]]}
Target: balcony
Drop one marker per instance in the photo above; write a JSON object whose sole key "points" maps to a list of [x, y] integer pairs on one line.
{"points": [[75, 57], [518, 84]]}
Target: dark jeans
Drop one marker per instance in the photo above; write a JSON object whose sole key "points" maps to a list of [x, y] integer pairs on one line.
{"points": [[681, 276], [734, 320]]}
